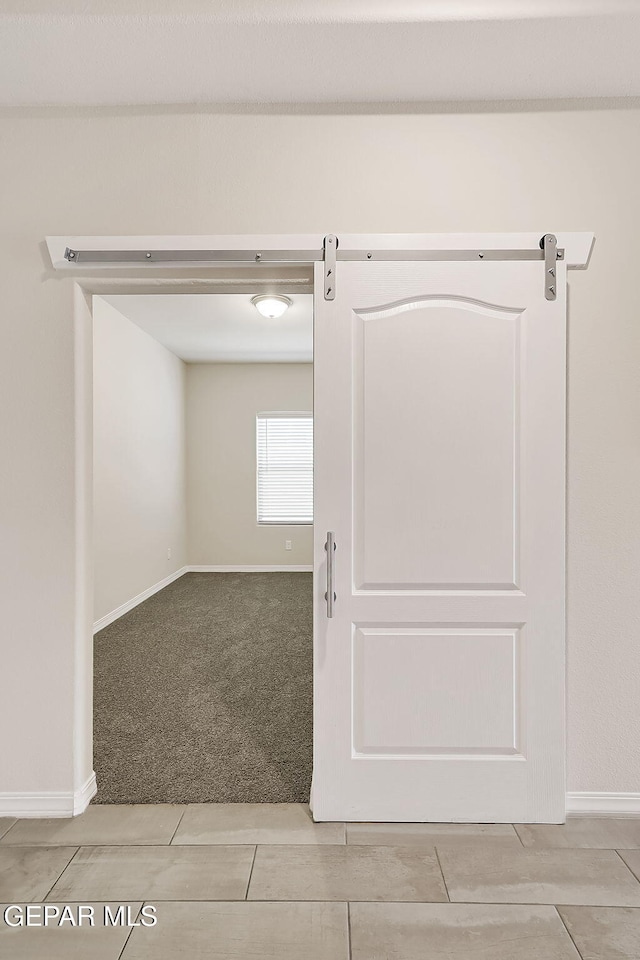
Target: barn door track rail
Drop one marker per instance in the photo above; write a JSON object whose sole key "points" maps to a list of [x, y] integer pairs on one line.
{"points": [[82, 253]]}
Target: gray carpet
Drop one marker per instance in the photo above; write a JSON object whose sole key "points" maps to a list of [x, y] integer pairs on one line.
{"points": [[203, 693]]}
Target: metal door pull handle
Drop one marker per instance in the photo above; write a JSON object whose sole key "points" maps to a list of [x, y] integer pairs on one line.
{"points": [[330, 596]]}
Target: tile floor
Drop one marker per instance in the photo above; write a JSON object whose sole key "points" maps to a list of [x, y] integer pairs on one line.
{"points": [[262, 881]]}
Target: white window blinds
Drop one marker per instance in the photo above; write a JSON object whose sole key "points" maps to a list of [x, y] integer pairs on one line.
{"points": [[285, 467]]}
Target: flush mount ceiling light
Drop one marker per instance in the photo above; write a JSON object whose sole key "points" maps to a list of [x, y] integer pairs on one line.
{"points": [[271, 307]]}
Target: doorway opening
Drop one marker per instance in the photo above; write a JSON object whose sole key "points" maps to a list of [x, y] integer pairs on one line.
{"points": [[202, 547]]}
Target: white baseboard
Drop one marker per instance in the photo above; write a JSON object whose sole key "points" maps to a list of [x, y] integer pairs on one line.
{"points": [[83, 797], [49, 804], [58, 804], [603, 804], [130, 604], [251, 568]]}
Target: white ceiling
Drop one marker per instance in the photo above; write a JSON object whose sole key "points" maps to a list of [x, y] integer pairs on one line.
{"points": [[296, 51], [222, 328]]}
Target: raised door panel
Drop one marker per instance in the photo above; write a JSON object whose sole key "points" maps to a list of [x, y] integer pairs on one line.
{"points": [[436, 440], [436, 690]]}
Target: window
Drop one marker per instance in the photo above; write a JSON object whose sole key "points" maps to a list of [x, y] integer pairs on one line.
{"points": [[285, 467]]}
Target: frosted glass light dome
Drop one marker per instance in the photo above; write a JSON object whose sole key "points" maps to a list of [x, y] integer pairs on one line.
{"points": [[271, 307]]}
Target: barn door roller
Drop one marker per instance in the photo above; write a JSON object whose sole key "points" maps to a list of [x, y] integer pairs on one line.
{"points": [[330, 250], [549, 244]]}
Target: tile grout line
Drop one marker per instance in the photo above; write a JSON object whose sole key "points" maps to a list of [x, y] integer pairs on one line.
{"points": [[349, 946], [481, 903], [562, 921], [630, 869], [446, 888], [62, 873], [180, 819], [128, 937], [441, 841], [255, 851], [147, 846], [518, 836], [5, 833], [124, 945]]}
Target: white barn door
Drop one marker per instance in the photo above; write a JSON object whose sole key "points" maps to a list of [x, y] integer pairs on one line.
{"points": [[440, 469]]}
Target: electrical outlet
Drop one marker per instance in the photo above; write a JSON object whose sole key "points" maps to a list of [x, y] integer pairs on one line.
{"points": [[168, 553], [287, 544]]}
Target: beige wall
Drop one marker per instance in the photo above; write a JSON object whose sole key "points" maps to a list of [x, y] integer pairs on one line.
{"points": [[223, 400], [139, 444], [145, 171]]}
